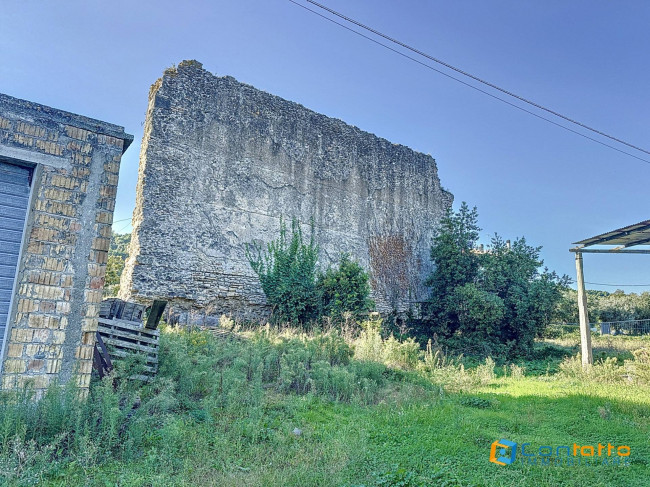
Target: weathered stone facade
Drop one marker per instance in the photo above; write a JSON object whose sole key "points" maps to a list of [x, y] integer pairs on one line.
{"points": [[74, 163], [221, 162]]}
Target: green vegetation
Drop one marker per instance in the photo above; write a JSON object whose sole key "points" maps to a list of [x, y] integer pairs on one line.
{"points": [[283, 407], [295, 289], [117, 254], [604, 306], [340, 402], [287, 273], [487, 303], [345, 290]]}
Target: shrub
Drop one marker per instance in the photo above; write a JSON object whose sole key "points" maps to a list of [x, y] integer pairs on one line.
{"points": [[345, 289], [287, 274], [604, 370], [370, 346], [295, 289], [639, 368], [485, 372]]}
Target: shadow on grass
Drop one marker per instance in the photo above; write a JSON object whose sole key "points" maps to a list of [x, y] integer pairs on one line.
{"points": [[449, 444]]}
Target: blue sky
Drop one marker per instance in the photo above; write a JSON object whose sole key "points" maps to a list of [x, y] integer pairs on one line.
{"points": [[586, 59]]}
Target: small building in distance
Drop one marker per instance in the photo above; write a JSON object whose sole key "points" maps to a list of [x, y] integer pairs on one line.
{"points": [[58, 181]]}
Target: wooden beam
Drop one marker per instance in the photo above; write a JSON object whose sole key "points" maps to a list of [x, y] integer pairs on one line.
{"points": [[585, 331], [155, 314], [608, 251]]}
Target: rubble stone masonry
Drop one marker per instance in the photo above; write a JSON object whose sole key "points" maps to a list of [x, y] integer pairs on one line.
{"points": [[221, 162]]}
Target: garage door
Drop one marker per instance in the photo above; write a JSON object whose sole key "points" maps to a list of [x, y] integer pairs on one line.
{"points": [[14, 199]]}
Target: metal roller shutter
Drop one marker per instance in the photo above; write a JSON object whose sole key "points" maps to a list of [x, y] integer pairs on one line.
{"points": [[14, 199]]}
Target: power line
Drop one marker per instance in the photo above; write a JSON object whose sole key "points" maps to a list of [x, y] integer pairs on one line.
{"points": [[476, 78], [572, 281], [617, 285]]}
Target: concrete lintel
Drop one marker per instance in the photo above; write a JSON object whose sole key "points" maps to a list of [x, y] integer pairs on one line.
{"points": [[26, 155]]}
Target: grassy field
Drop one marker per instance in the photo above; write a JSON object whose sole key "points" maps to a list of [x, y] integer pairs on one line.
{"points": [[286, 409]]}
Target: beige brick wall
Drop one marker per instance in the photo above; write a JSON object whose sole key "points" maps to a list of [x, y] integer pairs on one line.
{"points": [[61, 274]]}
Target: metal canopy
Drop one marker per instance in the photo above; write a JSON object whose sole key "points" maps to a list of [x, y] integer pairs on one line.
{"points": [[637, 234]]}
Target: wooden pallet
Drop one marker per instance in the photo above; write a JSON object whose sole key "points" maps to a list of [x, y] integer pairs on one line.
{"points": [[116, 308], [123, 337]]}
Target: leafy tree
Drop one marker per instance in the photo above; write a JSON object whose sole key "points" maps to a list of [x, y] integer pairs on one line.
{"points": [[117, 254], [114, 268], [120, 245], [287, 273], [479, 312], [488, 302], [603, 306], [530, 293], [345, 289], [456, 265]]}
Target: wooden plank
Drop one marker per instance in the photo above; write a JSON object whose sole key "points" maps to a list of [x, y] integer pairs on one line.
{"points": [[117, 354], [101, 346], [101, 358], [132, 346], [149, 366], [128, 326], [116, 332], [125, 337], [124, 353], [155, 314], [119, 348], [132, 311]]}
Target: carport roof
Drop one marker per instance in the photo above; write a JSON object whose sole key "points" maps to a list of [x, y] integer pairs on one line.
{"points": [[637, 234]]}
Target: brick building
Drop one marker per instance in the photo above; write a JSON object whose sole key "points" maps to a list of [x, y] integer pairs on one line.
{"points": [[58, 181]]}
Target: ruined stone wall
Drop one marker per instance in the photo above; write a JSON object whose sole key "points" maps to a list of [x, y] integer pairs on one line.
{"points": [[53, 318], [222, 161]]}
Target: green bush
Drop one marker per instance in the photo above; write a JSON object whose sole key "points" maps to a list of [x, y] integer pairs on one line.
{"points": [[117, 255], [639, 368], [487, 303], [297, 292], [287, 273], [345, 289]]}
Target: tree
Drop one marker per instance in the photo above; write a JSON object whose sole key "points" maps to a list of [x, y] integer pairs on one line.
{"points": [[530, 293], [287, 273], [345, 289], [117, 255], [488, 302], [456, 265]]}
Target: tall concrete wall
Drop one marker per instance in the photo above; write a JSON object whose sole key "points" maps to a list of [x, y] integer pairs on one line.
{"points": [[58, 288], [221, 162]]}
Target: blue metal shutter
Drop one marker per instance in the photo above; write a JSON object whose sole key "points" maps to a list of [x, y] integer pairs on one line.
{"points": [[14, 199]]}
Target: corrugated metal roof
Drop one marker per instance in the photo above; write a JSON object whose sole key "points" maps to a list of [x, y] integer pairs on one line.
{"points": [[637, 234]]}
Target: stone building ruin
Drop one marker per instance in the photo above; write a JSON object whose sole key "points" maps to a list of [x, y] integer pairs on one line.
{"points": [[58, 180], [221, 162]]}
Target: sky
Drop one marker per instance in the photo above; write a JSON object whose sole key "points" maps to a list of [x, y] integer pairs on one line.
{"points": [[585, 59]]}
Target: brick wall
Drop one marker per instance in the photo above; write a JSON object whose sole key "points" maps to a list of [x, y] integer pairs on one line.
{"points": [[53, 319]]}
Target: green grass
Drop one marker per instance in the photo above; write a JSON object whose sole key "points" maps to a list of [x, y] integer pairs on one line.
{"points": [[223, 412]]}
